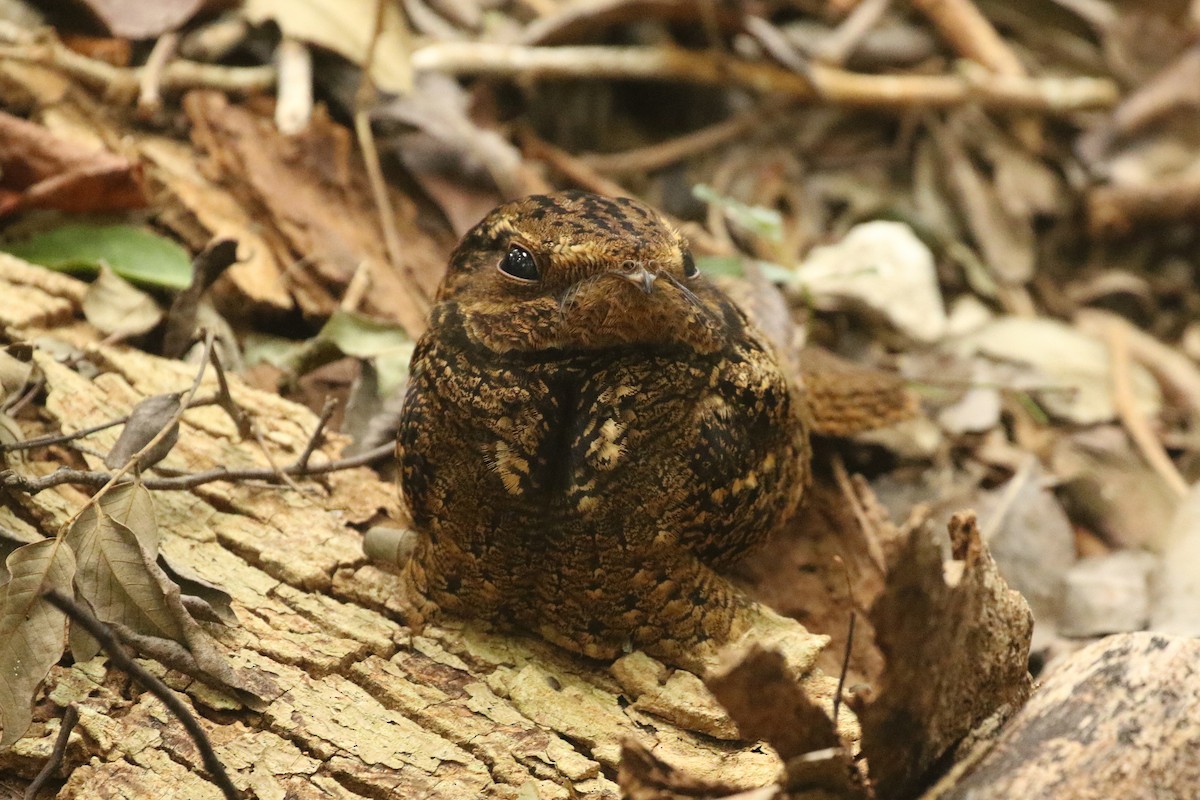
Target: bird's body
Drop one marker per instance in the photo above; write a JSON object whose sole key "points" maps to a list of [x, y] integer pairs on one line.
{"points": [[591, 427]]}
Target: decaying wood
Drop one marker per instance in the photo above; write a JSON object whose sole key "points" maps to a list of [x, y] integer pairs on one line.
{"points": [[364, 708], [1116, 719]]}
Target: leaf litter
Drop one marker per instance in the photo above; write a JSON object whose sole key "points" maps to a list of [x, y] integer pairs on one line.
{"points": [[1021, 229]]}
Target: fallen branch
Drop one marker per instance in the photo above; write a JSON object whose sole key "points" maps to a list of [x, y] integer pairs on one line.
{"points": [[112, 647], [190, 480], [823, 84], [125, 82]]}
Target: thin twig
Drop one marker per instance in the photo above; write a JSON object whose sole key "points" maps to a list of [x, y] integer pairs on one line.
{"points": [[122, 82], [69, 718], [1131, 415], [150, 80], [317, 435], [840, 45], [822, 83], [112, 646], [837, 696], [82, 477], [364, 99], [133, 461], [63, 438]]}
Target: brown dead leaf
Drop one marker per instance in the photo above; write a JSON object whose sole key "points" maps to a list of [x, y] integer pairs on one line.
{"points": [[114, 579], [770, 705], [955, 640], [293, 183], [145, 421], [41, 170], [31, 630]]}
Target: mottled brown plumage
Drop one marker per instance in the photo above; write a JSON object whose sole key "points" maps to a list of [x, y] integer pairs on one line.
{"points": [[591, 427]]}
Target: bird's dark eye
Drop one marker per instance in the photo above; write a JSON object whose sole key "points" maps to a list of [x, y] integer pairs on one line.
{"points": [[690, 270], [518, 263]]}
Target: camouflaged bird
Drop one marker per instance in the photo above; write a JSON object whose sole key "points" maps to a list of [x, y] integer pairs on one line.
{"points": [[591, 427]]}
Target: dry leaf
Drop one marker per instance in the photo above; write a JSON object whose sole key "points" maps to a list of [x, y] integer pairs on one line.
{"points": [[114, 579], [875, 263], [31, 630], [345, 27], [203, 600], [40, 170], [117, 307], [293, 183], [137, 19], [145, 421], [1176, 584], [1077, 365], [768, 704], [14, 374]]}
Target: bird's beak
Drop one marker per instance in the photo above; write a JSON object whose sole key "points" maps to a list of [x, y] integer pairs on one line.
{"points": [[641, 277]]}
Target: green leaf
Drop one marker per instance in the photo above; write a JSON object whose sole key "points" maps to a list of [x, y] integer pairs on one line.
{"points": [[133, 253], [759, 220]]}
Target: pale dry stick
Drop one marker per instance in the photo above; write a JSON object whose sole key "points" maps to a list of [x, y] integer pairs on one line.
{"points": [[293, 108], [150, 80], [122, 82], [973, 36], [1131, 416], [356, 289], [824, 84], [840, 45], [364, 98], [1175, 372]]}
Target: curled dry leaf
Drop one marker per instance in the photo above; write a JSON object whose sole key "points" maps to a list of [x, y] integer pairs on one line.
{"points": [[203, 600], [14, 374], [148, 418], [955, 641], [1078, 365], [41, 170], [31, 630], [117, 307]]}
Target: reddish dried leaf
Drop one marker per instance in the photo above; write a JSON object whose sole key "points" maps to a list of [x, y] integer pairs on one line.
{"points": [[40, 170]]}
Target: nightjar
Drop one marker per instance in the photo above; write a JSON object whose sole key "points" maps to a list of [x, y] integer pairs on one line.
{"points": [[591, 429]]}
